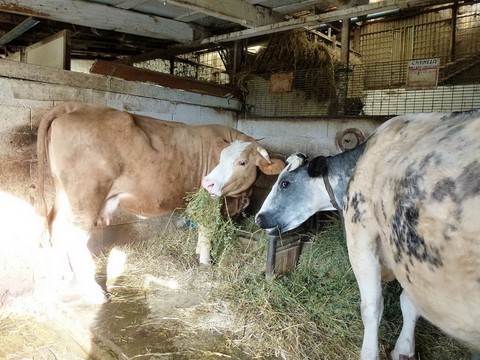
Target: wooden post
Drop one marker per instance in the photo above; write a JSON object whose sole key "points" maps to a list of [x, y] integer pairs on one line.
{"points": [[342, 85], [454, 31]]}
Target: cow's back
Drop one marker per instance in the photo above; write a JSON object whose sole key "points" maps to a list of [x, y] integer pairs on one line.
{"points": [[418, 185]]}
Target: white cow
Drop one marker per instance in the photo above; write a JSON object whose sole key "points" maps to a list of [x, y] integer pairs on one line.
{"points": [[410, 198]]}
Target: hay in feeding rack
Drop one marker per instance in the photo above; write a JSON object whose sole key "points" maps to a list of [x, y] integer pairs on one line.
{"points": [[313, 63], [292, 51]]}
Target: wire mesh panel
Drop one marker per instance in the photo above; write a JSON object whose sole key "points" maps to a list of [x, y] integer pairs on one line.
{"points": [[449, 36], [310, 94], [205, 66], [384, 89]]}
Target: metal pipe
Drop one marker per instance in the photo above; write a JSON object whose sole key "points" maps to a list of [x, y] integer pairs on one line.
{"points": [[271, 256]]}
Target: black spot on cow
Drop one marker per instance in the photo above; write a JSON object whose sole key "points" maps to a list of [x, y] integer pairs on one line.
{"points": [[412, 186], [408, 242], [438, 159], [426, 162], [469, 181], [409, 193], [444, 188], [453, 131], [384, 213], [452, 228], [357, 199], [346, 201]]}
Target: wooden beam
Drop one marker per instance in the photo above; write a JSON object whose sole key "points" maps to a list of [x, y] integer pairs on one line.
{"points": [[102, 17], [309, 4], [128, 4], [238, 11], [131, 73], [316, 20]]}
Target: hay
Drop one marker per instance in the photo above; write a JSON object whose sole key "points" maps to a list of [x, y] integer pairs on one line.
{"points": [[292, 51], [313, 63], [312, 313], [205, 211], [315, 311]]}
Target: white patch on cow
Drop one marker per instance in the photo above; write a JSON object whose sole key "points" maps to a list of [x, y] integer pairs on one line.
{"points": [[109, 208], [219, 176]]}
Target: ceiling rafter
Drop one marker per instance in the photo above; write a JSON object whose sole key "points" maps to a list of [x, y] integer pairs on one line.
{"points": [[103, 17], [316, 20], [238, 11]]}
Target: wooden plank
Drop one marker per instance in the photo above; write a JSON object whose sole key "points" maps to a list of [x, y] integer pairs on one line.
{"points": [[128, 4], [239, 11], [171, 81], [102, 17]]}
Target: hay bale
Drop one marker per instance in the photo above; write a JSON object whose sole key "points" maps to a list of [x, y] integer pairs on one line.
{"points": [[313, 62]]}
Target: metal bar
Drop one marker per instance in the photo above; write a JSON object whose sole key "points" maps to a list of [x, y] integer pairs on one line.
{"points": [[18, 30], [271, 255]]}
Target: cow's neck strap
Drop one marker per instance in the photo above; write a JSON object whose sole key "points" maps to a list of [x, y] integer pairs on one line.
{"points": [[330, 193]]}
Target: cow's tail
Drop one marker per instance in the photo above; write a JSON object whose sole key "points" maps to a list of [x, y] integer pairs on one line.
{"points": [[42, 157]]}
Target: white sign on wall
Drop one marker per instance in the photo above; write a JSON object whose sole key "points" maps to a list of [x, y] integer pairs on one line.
{"points": [[423, 73]]}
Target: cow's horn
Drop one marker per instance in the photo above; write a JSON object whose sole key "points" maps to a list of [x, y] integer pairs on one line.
{"points": [[264, 153], [296, 160]]}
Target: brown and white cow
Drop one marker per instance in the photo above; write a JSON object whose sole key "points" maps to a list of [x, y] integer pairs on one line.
{"points": [[102, 159], [410, 199]]}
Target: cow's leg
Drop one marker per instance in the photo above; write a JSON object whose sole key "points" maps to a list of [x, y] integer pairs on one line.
{"points": [[367, 269], [203, 246], [71, 229], [405, 346]]}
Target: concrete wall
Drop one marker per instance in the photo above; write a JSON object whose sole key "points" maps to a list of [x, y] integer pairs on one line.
{"points": [[312, 136]]}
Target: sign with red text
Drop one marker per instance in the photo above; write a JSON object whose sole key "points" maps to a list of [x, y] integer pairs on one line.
{"points": [[423, 73]]}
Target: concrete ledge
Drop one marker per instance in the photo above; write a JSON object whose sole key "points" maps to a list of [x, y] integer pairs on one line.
{"points": [[41, 74]]}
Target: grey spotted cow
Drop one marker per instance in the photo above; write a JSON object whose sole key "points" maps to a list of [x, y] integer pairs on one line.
{"points": [[410, 198]]}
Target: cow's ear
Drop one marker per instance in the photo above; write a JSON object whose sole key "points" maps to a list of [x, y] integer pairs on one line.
{"points": [[220, 143], [274, 167], [317, 166]]}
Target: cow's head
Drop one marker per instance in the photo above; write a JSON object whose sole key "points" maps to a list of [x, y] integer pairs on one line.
{"points": [[298, 193], [237, 169]]}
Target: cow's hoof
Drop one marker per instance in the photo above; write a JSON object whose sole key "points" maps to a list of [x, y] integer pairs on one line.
{"points": [[93, 295], [204, 259], [205, 262], [394, 356]]}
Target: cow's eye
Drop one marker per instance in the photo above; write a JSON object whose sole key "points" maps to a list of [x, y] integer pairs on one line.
{"points": [[242, 163], [284, 184]]}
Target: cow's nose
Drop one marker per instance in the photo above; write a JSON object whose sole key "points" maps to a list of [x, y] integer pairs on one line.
{"points": [[208, 184], [259, 220]]}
